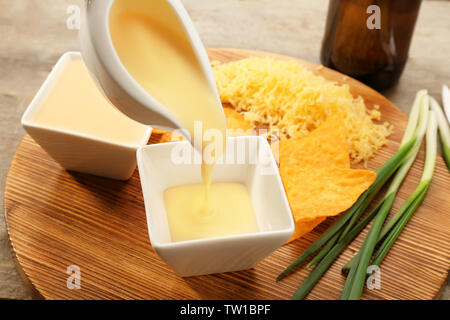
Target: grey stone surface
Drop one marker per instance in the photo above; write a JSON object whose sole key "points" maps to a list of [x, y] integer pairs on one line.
{"points": [[33, 35]]}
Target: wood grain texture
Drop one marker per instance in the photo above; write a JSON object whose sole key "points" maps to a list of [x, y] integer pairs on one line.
{"points": [[57, 218]]}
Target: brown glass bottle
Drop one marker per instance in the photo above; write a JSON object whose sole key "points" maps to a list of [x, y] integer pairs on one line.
{"points": [[373, 51]]}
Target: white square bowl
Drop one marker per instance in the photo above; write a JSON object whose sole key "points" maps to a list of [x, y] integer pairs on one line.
{"points": [[78, 151], [159, 171]]}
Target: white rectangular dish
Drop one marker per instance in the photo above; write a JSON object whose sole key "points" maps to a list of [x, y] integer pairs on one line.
{"points": [[75, 150], [160, 169]]}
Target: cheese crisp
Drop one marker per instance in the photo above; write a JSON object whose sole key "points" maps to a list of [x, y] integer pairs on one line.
{"points": [[316, 175]]}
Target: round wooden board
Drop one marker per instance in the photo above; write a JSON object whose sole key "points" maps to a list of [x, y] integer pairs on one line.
{"points": [[57, 219]]}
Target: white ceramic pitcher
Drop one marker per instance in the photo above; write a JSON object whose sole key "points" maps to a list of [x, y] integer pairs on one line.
{"points": [[118, 85]]}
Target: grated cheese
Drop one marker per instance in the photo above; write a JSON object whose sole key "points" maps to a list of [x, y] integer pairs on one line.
{"points": [[284, 95]]}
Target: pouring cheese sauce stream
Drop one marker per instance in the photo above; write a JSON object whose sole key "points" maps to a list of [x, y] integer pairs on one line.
{"points": [[152, 44]]}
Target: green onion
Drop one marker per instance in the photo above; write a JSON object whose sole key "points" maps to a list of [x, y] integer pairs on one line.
{"points": [[419, 193], [414, 115], [383, 174], [357, 277], [390, 239], [444, 130], [326, 248], [401, 174], [420, 108], [389, 201], [352, 267], [348, 285], [325, 263]]}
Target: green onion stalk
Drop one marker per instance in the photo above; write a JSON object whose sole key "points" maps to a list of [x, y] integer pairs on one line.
{"points": [[337, 237], [444, 130], [361, 260], [383, 174], [419, 111], [357, 275], [326, 262], [418, 194]]}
